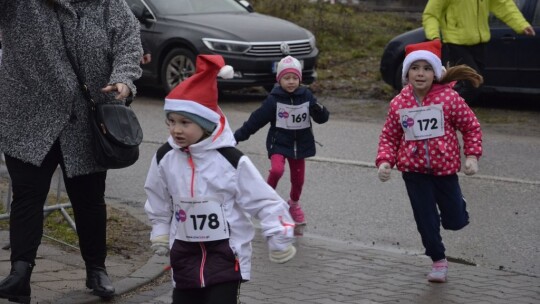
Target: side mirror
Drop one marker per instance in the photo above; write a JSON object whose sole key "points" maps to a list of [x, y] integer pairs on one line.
{"points": [[247, 5]]}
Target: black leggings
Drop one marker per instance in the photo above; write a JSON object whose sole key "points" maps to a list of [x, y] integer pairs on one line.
{"points": [[31, 184], [224, 293]]}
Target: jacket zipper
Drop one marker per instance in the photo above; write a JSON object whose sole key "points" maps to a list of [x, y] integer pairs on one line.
{"points": [[201, 244]]}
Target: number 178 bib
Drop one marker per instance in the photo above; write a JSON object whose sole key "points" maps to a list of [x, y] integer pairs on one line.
{"points": [[200, 219], [422, 122]]}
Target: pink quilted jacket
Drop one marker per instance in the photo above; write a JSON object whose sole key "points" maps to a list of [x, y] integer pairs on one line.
{"points": [[437, 156]]}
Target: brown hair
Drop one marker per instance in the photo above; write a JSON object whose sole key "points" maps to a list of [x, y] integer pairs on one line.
{"points": [[462, 72]]}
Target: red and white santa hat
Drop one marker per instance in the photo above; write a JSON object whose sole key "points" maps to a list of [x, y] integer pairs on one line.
{"points": [[199, 93], [429, 51]]}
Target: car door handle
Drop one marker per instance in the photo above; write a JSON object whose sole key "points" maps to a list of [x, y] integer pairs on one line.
{"points": [[508, 38]]}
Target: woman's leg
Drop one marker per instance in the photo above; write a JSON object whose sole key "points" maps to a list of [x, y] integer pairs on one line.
{"points": [[87, 196], [277, 168], [31, 185]]}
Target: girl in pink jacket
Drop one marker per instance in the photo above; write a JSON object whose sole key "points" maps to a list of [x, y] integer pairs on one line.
{"points": [[419, 137]]}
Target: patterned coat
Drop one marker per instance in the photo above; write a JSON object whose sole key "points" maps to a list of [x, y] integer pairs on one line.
{"points": [[40, 99], [439, 155]]}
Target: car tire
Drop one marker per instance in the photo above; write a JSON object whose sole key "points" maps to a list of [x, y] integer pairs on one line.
{"points": [[178, 65]]}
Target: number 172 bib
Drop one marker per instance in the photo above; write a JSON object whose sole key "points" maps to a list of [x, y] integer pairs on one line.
{"points": [[422, 122]]}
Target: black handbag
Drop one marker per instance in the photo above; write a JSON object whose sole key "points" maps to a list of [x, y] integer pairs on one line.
{"points": [[116, 131], [117, 135]]}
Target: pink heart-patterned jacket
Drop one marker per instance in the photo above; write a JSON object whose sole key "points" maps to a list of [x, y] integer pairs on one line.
{"points": [[437, 156]]}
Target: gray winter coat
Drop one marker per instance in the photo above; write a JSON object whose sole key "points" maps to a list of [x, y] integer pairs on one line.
{"points": [[40, 99]]}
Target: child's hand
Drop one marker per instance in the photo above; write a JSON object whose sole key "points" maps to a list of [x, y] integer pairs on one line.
{"points": [[284, 256], [471, 165], [384, 172], [160, 245]]}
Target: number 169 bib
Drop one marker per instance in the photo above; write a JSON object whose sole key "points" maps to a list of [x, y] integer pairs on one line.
{"points": [[200, 219], [422, 122]]}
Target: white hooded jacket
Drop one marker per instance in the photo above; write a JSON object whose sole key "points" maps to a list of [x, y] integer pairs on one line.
{"points": [[201, 170]]}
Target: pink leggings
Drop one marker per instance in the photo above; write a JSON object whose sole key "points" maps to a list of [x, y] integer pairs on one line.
{"points": [[298, 169]]}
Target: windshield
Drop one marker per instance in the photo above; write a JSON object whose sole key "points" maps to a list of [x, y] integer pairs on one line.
{"points": [[182, 7]]}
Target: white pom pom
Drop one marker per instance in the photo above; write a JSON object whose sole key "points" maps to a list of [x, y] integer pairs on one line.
{"points": [[226, 72]]}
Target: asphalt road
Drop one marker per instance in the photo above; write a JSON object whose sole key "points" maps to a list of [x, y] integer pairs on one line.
{"points": [[344, 200]]}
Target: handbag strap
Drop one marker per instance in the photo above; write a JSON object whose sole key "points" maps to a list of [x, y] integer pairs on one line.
{"points": [[75, 65]]}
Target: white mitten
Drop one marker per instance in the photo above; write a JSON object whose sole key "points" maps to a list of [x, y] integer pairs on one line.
{"points": [[384, 172], [160, 245], [284, 256], [471, 165]]}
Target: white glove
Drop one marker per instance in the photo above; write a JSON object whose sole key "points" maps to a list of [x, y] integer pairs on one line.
{"points": [[471, 165], [384, 172], [281, 257], [160, 245]]}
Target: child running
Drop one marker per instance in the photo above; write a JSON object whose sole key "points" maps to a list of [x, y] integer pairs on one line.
{"points": [[289, 109], [202, 192], [419, 137]]}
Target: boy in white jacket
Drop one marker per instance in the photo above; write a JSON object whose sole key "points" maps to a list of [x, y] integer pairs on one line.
{"points": [[201, 193]]}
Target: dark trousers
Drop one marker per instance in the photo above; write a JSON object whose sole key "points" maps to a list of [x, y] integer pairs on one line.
{"points": [[31, 185], [471, 55], [224, 293], [426, 193]]}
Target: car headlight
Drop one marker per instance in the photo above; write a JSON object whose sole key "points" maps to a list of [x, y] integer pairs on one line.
{"points": [[228, 46]]}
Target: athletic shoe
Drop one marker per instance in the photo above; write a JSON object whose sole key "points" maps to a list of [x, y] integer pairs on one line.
{"points": [[296, 212], [438, 273]]}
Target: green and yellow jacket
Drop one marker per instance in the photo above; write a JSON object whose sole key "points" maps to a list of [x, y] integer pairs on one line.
{"points": [[465, 22]]}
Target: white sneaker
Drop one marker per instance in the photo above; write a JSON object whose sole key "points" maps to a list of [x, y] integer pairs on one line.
{"points": [[438, 273]]}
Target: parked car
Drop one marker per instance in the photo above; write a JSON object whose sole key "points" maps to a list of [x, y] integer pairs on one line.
{"points": [[176, 31], [512, 61]]}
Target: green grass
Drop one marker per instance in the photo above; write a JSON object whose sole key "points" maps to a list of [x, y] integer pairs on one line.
{"points": [[351, 40]]}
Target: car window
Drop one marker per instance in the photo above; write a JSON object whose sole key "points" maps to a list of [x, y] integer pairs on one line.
{"points": [[181, 7], [496, 22]]}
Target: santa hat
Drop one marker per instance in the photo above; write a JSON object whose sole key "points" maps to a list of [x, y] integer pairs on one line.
{"points": [[198, 94], [289, 64], [429, 51]]}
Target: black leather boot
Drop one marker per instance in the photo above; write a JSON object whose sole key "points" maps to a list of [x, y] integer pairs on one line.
{"points": [[16, 286], [98, 280]]}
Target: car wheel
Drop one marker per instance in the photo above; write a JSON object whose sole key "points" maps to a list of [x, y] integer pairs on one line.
{"points": [[178, 65]]}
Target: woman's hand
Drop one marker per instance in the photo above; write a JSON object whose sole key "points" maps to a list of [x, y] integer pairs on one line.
{"points": [[122, 89]]}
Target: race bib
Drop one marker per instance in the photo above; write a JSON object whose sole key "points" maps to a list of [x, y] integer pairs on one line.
{"points": [[422, 122], [293, 117], [200, 219]]}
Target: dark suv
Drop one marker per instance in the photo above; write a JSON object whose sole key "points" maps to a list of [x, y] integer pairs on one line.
{"points": [[512, 61], [176, 31]]}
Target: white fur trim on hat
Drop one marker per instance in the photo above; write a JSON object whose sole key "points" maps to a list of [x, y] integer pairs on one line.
{"points": [[191, 106], [428, 56], [226, 72]]}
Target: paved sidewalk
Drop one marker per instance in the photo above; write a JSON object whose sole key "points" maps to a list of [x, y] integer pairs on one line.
{"points": [[323, 271]]}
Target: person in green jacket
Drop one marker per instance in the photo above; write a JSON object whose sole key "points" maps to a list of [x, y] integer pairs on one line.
{"points": [[462, 26]]}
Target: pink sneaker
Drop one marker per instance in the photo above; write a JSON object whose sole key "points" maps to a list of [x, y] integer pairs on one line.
{"points": [[438, 273], [296, 212]]}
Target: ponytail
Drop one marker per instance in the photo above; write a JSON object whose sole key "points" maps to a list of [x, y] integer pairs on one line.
{"points": [[462, 72]]}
